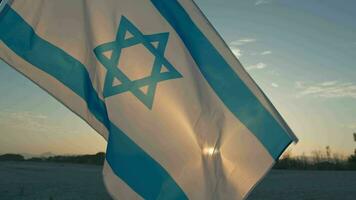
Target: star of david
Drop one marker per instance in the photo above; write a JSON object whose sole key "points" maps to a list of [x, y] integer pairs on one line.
{"points": [[162, 69]]}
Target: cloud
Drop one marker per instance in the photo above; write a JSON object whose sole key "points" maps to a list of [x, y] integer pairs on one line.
{"points": [[328, 83], [260, 65], [299, 85], [27, 120], [328, 89], [34, 122], [237, 52], [27, 115], [235, 45], [274, 85], [260, 2], [266, 53], [242, 41]]}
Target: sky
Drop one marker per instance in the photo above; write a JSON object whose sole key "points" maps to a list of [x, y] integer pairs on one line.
{"points": [[300, 52]]}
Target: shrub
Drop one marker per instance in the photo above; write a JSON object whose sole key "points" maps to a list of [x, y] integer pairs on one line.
{"points": [[11, 157]]}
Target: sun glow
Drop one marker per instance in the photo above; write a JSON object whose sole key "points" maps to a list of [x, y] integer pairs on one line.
{"points": [[210, 151]]}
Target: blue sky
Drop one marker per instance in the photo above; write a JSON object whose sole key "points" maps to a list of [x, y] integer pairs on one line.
{"points": [[300, 52]]}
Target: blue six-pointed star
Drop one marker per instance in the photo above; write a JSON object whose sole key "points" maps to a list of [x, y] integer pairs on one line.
{"points": [[113, 70]]}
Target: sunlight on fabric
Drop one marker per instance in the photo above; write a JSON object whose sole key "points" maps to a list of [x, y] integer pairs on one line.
{"points": [[210, 151]]}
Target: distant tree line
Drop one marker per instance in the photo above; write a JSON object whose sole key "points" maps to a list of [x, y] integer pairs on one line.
{"points": [[97, 159], [12, 157], [318, 161]]}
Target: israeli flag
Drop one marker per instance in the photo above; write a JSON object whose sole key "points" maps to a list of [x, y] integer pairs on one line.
{"points": [[182, 117]]}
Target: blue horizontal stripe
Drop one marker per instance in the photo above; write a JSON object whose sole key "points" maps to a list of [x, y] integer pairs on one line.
{"points": [[225, 82], [128, 161]]}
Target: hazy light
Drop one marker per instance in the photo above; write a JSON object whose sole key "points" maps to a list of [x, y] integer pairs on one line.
{"points": [[209, 151]]}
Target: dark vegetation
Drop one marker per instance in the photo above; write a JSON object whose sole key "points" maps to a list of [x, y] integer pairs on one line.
{"points": [[318, 161], [97, 159], [11, 157]]}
